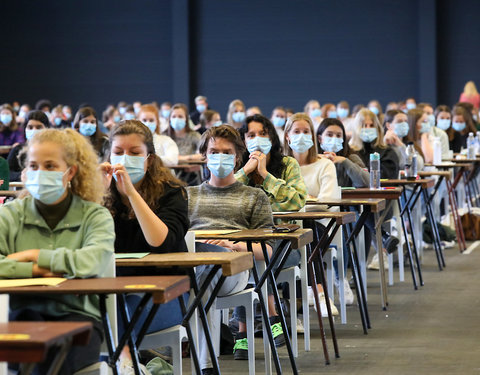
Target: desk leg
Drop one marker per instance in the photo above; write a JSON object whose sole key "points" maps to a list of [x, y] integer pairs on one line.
{"points": [[383, 282], [436, 236], [62, 351], [276, 297], [266, 321], [409, 249], [191, 338], [456, 218], [108, 333]]}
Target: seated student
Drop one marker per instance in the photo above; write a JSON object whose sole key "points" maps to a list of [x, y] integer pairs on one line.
{"points": [[368, 138], [186, 139], [264, 166], [165, 109], [111, 117], [201, 105], [35, 121], [343, 112], [254, 110], [208, 119], [329, 110], [462, 124], [375, 107], [129, 113], [419, 129], [332, 142], [67, 113], [22, 114], [443, 121], [215, 205], [396, 129], [10, 132], [318, 173], [57, 118], [149, 208], [278, 119], [435, 131], [236, 113], [165, 147], [86, 122], [312, 108], [58, 229]]}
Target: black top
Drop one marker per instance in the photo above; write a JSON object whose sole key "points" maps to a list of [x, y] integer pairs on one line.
{"points": [[53, 213], [172, 209], [195, 116], [389, 163], [15, 164], [458, 142]]}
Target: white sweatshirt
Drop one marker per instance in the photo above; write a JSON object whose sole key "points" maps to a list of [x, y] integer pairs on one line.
{"points": [[166, 149]]}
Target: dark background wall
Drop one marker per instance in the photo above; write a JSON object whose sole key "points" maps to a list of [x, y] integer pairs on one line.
{"points": [[267, 53]]}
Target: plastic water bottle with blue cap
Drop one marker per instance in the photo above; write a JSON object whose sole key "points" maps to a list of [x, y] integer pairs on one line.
{"points": [[375, 170]]}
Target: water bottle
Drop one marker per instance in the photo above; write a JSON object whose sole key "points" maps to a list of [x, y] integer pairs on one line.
{"points": [[375, 170], [437, 151], [471, 146], [411, 162], [477, 143]]}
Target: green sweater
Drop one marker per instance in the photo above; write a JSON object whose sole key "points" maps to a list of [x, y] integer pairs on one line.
{"points": [[80, 246]]}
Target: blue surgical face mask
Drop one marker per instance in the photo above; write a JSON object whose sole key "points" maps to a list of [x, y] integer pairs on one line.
{"points": [[278, 121], [87, 129], [221, 165], [29, 133], [401, 129], [315, 113], [129, 116], [332, 144], [117, 118], [374, 110], [136, 110], [67, 115], [301, 142], [425, 126], [411, 106], [16, 108], [122, 110], [238, 116], [262, 144], [332, 114], [134, 165], [178, 123], [22, 114], [443, 123], [6, 118], [217, 123], [368, 135], [165, 113], [201, 108], [45, 186], [57, 121], [152, 125], [459, 126], [342, 112]]}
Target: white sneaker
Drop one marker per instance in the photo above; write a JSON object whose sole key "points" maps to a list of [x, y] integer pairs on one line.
{"points": [[323, 306], [349, 297], [374, 265], [126, 368], [300, 328]]}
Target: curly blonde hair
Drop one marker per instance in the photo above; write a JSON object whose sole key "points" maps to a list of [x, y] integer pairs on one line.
{"points": [[77, 150]]}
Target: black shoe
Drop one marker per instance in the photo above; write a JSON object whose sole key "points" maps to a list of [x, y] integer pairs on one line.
{"points": [[240, 350], [390, 244], [207, 371]]}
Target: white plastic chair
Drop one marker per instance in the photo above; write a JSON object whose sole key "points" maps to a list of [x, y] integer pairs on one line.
{"points": [[3, 319]]}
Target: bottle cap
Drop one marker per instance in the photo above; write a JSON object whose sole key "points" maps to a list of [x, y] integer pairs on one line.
{"points": [[410, 143], [375, 156]]}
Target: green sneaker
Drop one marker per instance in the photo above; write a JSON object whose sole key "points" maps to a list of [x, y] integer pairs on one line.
{"points": [[240, 350], [277, 332]]}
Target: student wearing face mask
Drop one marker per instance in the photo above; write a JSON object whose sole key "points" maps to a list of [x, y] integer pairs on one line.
{"points": [[165, 109], [208, 119], [35, 122], [111, 117], [10, 132], [396, 130], [58, 229], [165, 147], [236, 113], [85, 122], [419, 129], [329, 110], [57, 117], [443, 118], [312, 108], [149, 209], [462, 124], [254, 110], [435, 130], [368, 138], [410, 103], [278, 119], [201, 105], [375, 107], [22, 114], [264, 166], [332, 143]]}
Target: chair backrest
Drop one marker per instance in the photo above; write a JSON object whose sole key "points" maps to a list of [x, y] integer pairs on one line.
{"points": [[111, 306], [190, 241]]}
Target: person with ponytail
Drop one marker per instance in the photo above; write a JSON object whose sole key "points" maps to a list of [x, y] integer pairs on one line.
{"points": [[57, 228]]}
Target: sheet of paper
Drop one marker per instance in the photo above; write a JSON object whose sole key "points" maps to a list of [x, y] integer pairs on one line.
{"points": [[130, 255], [39, 281], [215, 232], [283, 212]]}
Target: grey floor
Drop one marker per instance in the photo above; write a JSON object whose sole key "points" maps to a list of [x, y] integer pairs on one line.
{"points": [[435, 330]]}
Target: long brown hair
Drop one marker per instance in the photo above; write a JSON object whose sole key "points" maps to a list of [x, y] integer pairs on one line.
{"points": [[156, 177], [97, 138], [413, 133], [13, 124], [184, 108]]}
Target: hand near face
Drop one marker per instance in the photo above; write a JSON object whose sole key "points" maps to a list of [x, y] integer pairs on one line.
{"points": [[124, 183], [261, 159], [107, 174], [250, 166], [391, 138]]}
